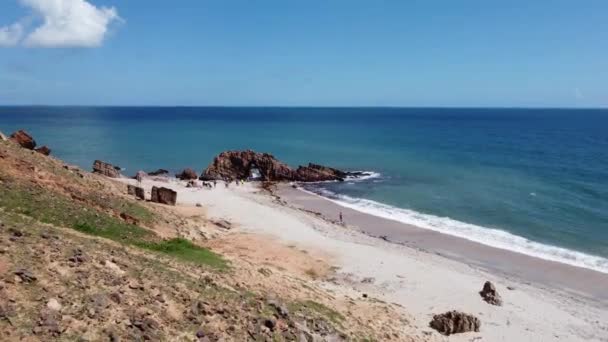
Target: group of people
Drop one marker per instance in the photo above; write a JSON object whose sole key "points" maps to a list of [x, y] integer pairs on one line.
{"points": [[236, 181]]}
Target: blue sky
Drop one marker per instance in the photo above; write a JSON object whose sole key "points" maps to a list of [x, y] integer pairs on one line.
{"points": [[314, 53]]}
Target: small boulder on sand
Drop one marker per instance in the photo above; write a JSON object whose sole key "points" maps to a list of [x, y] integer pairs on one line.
{"points": [[163, 196], [187, 174], [454, 322], [140, 193], [490, 295]]}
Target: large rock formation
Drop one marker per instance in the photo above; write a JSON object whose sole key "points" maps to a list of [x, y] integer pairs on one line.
{"points": [[454, 322], [187, 174], [490, 295], [243, 164], [105, 169], [164, 196], [249, 164], [22, 138]]}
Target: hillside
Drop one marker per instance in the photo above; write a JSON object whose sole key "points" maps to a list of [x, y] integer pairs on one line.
{"points": [[82, 260]]}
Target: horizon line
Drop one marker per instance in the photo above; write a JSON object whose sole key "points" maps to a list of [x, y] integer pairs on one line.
{"points": [[303, 106]]}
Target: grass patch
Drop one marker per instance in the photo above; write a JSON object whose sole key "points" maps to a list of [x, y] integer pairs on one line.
{"points": [[52, 208], [186, 250]]}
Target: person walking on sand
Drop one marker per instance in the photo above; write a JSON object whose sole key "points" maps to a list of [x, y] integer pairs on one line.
{"points": [[341, 218]]}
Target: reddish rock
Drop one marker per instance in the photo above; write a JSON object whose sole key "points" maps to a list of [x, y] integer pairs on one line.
{"points": [[187, 174], [164, 196], [43, 150], [243, 164], [454, 322], [22, 138], [105, 169], [233, 165], [319, 173], [490, 295]]}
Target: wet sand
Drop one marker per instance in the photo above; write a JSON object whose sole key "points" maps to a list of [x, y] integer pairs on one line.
{"points": [[579, 282]]}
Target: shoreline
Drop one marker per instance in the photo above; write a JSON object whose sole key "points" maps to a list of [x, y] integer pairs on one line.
{"points": [[418, 282], [511, 264]]}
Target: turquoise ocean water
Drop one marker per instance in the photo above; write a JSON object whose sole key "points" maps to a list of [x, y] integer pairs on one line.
{"points": [[530, 180]]}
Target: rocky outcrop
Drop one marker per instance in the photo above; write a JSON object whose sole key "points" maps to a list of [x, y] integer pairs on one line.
{"points": [[187, 174], [454, 322], [43, 150], [163, 196], [22, 138], [159, 172], [490, 295], [105, 169], [319, 173], [232, 165]]}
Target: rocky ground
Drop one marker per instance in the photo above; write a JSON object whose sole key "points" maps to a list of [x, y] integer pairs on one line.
{"points": [[82, 260]]}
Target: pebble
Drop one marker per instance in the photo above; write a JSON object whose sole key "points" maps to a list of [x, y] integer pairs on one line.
{"points": [[54, 304]]}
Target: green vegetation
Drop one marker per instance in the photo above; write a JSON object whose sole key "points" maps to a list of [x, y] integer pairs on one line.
{"points": [[186, 250], [53, 208]]}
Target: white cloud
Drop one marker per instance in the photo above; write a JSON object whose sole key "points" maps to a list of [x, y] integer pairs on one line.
{"points": [[11, 35], [64, 23]]}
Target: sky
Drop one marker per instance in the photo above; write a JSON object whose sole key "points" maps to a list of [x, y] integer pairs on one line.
{"points": [[464, 53]]}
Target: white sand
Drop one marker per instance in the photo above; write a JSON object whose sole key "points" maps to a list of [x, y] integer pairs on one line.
{"points": [[423, 283]]}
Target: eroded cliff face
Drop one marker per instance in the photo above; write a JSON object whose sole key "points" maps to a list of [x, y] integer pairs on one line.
{"points": [[243, 164]]}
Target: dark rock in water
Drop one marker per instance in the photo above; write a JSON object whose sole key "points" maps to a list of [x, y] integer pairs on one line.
{"points": [[490, 295], [454, 322], [43, 150], [164, 196], [187, 174], [319, 173], [159, 172], [105, 169], [23, 138], [232, 165]]}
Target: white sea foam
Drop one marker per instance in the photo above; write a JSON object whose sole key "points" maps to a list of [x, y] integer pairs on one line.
{"points": [[367, 175], [484, 235]]}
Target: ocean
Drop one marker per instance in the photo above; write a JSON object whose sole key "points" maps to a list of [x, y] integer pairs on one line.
{"points": [[533, 181]]}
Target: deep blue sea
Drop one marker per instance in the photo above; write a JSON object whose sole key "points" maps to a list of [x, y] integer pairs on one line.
{"points": [[529, 180]]}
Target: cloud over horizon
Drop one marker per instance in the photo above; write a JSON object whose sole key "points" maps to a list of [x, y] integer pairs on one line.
{"points": [[64, 23]]}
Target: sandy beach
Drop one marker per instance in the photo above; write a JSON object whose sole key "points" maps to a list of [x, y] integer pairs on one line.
{"points": [[424, 272]]}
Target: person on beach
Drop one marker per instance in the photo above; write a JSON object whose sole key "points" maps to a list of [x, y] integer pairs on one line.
{"points": [[214, 183], [341, 219]]}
